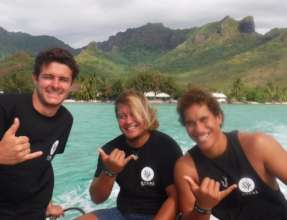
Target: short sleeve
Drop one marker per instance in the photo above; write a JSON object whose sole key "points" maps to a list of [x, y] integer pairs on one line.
{"points": [[99, 167], [170, 155], [66, 133]]}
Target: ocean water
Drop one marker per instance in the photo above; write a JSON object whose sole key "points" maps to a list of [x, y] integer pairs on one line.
{"points": [[95, 124]]}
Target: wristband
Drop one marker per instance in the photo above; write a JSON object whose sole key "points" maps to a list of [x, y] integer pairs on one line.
{"points": [[201, 211], [109, 173]]}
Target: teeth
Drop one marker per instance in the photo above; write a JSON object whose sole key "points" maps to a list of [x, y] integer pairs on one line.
{"points": [[131, 127], [203, 137], [54, 93]]}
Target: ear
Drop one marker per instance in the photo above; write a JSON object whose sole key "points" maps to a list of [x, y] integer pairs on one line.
{"points": [[34, 78], [220, 119]]}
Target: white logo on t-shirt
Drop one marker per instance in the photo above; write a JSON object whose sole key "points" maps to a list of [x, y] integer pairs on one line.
{"points": [[147, 174], [246, 185], [53, 149], [224, 181]]}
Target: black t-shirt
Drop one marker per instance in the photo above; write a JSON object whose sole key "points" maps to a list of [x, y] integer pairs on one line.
{"points": [[143, 182], [28, 186], [253, 199]]}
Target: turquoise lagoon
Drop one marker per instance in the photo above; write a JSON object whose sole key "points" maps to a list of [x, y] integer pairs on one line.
{"points": [[95, 124]]}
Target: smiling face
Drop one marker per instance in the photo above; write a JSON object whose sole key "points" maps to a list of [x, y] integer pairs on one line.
{"points": [[52, 86], [132, 127], [203, 126]]}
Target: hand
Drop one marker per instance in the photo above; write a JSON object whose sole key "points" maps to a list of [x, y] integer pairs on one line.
{"points": [[208, 194], [13, 149], [54, 211], [116, 161]]}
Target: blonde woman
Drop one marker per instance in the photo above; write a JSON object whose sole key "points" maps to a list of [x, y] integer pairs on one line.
{"points": [[141, 161]]}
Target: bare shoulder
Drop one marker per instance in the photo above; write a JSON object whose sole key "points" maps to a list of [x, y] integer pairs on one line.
{"points": [[266, 155], [255, 141], [185, 166], [259, 144], [185, 162]]}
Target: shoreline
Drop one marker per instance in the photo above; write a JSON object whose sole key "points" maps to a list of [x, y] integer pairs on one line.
{"points": [[173, 101]]}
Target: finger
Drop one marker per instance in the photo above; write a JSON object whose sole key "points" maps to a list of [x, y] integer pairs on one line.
{"points": [[226, 192], [121, 156], [194, 187], [22, 140], [217, 188], [23, 147], [32, 155], [204, 184], [134, 157], [130, 157], [114, 153], [103, 154], [14, 127], [211, 186], [23, 153]]}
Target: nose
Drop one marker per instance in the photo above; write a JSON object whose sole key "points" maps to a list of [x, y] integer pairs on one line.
{"points": [[198, 128], [55, 83], [129, 118]]}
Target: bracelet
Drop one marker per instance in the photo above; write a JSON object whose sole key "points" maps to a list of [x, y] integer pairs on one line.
{"points": [[202, 211], [179, 216], [109, 173]]}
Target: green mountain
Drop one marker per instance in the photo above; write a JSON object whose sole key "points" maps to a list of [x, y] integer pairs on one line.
{"points": [[19, 63], [216, 54], [143, 44], [13, 42], [207, 45], [16, 73], [93, 61], [213, 55]]}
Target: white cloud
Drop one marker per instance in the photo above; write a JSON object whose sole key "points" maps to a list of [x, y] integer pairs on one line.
{"points": [[77, 22]]}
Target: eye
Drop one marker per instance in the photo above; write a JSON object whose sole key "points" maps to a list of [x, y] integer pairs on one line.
{"points": [[47, 76], [204, 120], [65, 79], [122, 116], [190, 124]]}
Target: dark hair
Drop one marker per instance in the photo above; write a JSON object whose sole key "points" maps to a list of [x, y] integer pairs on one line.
{"points": [[200, 97], [58, 55]]}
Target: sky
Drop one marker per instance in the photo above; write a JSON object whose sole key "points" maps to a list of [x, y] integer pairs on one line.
{"points": [[78, 22]]}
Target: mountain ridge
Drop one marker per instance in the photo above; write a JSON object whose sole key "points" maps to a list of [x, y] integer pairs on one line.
{"points": [[213, 55]]}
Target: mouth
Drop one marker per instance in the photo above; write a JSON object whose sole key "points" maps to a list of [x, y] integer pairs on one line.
{"points": [[203, 138], [54, 94], [131, 127]]}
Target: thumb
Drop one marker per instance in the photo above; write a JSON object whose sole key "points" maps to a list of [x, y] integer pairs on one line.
{"points": [[103, 154], [130, 157], [194, 187], [226, 192], [14, 127]]}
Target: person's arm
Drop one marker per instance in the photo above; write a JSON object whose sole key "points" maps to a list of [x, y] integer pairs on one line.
{"points": [[274, 156], [184, 167], [196, 200], [13, 149], [186, 199], [169, 208], [101, 188], [113, 164], [207, 195]]}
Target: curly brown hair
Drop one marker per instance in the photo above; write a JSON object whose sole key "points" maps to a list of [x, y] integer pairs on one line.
{"points": [[198, 96], [58, 55]]}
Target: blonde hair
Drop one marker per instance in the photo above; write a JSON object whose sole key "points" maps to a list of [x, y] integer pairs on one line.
{"points": [[140, 108]]}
